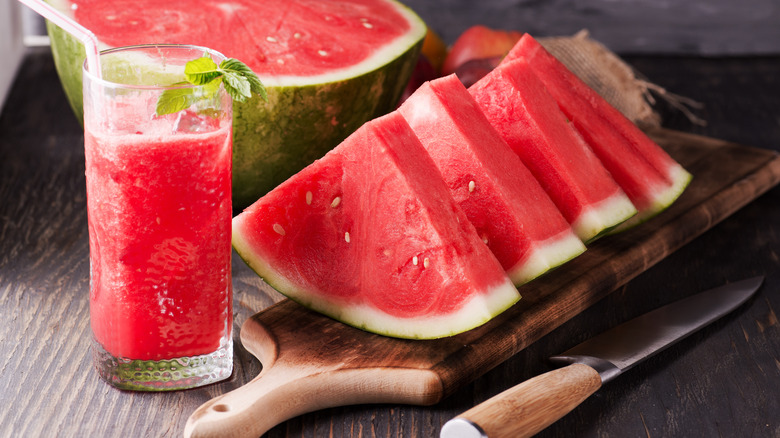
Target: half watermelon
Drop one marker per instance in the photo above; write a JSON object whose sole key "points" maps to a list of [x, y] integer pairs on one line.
{"points": [[648, 175], [371, 236], [329, 66], [510, 210], [527, 117]]}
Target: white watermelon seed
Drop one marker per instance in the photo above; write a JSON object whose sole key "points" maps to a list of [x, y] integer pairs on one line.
{"points": [[336, 202], [346, 236], [270, 39], [322, 52], [414, 260], [426, 262], [279, 230], [472, 186], [308, 198], [368, 25]]}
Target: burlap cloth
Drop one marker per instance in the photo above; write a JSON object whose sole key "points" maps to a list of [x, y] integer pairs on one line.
{"points": [[616, 81]]}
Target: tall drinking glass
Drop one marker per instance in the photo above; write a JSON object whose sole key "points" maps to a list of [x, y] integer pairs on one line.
{"points": [[159, 207]]}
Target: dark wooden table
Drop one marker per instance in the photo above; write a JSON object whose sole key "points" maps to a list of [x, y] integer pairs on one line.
{"points": [[722, 381]]}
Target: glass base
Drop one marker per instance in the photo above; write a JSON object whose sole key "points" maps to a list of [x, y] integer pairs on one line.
{"points": [[163, 375]]}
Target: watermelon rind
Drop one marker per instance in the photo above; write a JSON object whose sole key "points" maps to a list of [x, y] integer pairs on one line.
{"points": [[603, 217], [472, 314], [303, 118], [69, 55], [548, 255], [663, 198], [300, 123]]}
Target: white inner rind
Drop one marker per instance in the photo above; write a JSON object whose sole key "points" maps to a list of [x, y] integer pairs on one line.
{"points": [[663, 198], [602, 216], [480, 309], [477, 311], [666, 196], [547, 255]]}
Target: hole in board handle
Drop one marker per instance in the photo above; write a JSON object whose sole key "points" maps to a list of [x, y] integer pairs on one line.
{"points": [[221, 408]]}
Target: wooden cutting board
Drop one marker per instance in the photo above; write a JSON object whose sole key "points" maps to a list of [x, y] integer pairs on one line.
{"points": [[311, 362]]}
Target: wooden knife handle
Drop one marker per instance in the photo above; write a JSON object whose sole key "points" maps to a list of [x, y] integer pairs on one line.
{"points": [[529, 407]]}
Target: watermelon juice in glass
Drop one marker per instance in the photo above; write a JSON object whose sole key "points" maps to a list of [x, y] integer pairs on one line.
{"points": [[159, 208]]}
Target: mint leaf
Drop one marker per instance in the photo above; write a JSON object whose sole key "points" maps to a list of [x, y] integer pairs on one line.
{"points": [[239, 67], [238, 79], [236, 85], [257, 87], [234, 65], [174, 100], [201, 71]]}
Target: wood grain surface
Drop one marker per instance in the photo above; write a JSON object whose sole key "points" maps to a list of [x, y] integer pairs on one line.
{"points": [[722, 381]]}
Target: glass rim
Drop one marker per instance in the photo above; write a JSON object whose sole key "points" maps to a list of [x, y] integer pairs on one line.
{"points": [[108, 83]]}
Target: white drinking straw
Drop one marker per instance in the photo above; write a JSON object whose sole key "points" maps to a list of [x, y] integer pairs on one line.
{"points": [[68, 25]]}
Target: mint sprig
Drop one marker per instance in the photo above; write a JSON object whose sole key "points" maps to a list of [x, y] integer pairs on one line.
{"points": [[239, 81]]}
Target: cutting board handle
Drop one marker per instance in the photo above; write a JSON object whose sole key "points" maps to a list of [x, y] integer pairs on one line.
{"points": [[293, 382], [284, 393], [249, 410]]}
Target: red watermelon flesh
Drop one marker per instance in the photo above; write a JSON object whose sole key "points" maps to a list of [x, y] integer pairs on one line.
{"points": [[529, 120], [273, 37], [502, 199], [371, 236], [648, 175]]}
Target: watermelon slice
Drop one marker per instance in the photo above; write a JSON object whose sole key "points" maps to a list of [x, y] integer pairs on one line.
{"points": [[510, 210], [529, 120], [329, 66], [649, 176], [370, 236]]}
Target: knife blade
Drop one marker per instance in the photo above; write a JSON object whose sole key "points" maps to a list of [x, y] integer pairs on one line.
{"points": [[531, 406]]}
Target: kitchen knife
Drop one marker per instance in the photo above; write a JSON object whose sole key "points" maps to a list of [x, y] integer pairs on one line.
{"points": [[529, 407]]}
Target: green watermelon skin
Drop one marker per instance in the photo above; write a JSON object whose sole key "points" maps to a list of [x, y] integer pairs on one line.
{"points": [[370, 236], [273, 140], [502, 199], [649, 176], [300, 122], [69, 55], [527, 117]]}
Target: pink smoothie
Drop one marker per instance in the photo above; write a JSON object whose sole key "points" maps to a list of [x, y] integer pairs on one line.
{"points": [[159, 232]]}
